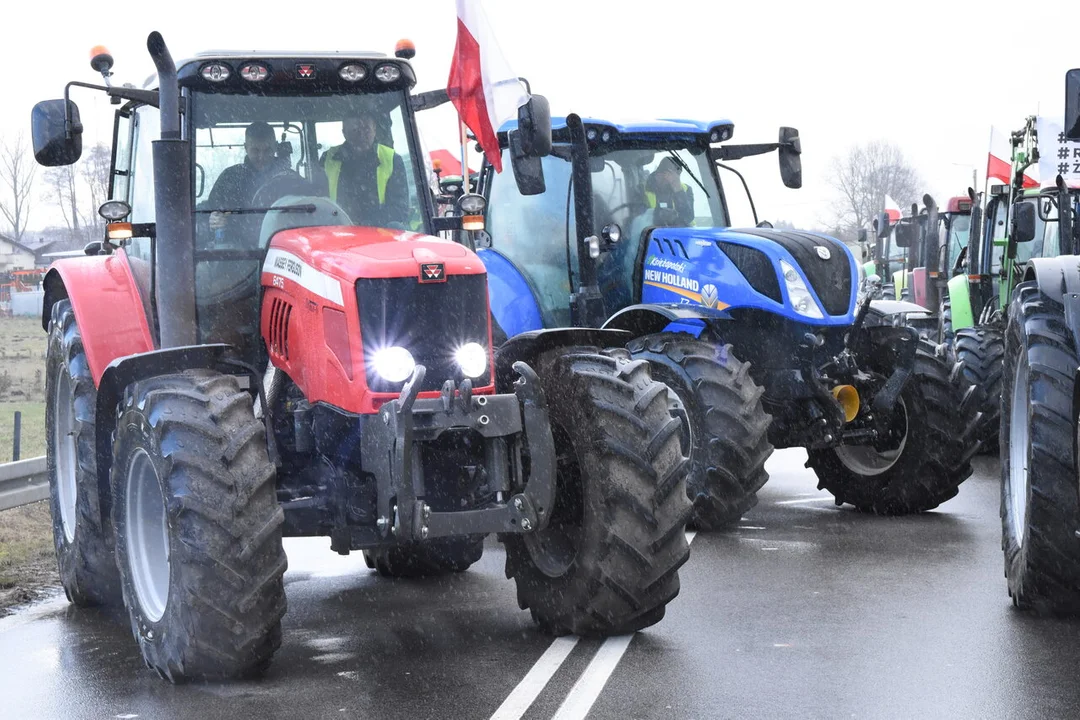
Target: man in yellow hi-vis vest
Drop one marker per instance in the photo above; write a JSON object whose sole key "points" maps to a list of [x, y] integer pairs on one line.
{"points": [[672, 200], [366, 178]]}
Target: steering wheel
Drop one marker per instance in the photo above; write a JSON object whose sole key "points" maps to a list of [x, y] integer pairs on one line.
{"points": [[282, 184]]}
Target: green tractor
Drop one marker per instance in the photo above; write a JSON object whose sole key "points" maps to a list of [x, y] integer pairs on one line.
{"points": [[997, 260], [1040, 506]]}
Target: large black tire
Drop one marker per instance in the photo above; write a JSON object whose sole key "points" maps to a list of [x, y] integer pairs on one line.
{"points": [[930, 463], [213, 609], [434, 557], [86, 564], [608, 562], [1040, 512], [725, 427], [980, 352]]}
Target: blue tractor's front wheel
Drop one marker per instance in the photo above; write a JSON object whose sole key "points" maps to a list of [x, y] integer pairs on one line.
{"points": [[725, 426]]}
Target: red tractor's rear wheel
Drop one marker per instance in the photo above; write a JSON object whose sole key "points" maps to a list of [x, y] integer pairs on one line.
{"points": [[85, 562], [198, 527]]}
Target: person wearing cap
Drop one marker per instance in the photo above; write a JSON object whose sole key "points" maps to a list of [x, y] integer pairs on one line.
{"points": [[671, 199], [366, 178]]}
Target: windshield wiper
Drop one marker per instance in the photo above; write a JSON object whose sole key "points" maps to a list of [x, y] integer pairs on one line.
{"points": [[682, 163], [306, 208]]}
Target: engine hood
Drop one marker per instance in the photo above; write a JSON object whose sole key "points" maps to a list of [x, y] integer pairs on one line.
{"points": [[740, 267]]}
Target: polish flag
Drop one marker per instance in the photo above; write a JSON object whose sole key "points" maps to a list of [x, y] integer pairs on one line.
{"points": [[999, 159], [892, 209], [483, 88]]}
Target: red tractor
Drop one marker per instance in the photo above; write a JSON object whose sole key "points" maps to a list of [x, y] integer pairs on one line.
{"points": [[224, 374]]}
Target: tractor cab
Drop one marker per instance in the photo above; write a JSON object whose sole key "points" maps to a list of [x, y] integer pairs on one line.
{"points": [[645, 177]]}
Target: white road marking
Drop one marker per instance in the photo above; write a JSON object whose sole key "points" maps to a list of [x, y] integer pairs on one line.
{"points": [[522, 697], [585, 691], [830, 498]]}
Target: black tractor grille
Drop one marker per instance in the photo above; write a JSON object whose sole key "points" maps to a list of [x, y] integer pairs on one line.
{"points": [[430, 320], [756, 267], [830, 278]]}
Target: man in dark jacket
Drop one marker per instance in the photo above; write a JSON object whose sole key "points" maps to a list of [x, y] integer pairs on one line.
{"points": [[235, 187], [366, 178]]}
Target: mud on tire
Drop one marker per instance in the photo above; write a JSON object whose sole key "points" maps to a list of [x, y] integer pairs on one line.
{"points": [[608, 561], [980, 352], [725, 426], [205, 592], [1039, 507], [933, 459], [85, 562]]}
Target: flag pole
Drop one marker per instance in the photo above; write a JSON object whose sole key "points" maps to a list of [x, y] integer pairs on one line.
{"points": [[464, 159]]}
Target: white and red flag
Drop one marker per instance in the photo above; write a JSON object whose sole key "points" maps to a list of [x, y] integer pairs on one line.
{"points": [[892, 209], [999, 159], [482, 86]]}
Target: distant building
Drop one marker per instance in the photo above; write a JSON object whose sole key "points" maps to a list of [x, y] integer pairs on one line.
{"points": [[15, 256]]}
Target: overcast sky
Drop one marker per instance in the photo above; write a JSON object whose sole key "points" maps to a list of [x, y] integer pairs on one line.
{"points": [[928, 75]]}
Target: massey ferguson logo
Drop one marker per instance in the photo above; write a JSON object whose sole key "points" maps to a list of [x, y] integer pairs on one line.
{"points": [[432, 272], [305, 72]]}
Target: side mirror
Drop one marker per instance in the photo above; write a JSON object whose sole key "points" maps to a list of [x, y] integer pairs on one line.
{"points": [[881, 226], [790, 152], [907, 234], [528, 169], [1023, 223], [534, 126], [53, 144], [1072, 104]]}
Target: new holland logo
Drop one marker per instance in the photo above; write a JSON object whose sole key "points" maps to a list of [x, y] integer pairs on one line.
{"points": [[823, 252], [432, 272], [709, 295]]}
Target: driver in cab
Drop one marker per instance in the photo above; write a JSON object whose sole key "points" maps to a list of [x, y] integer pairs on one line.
{"points": [[235, 188]]}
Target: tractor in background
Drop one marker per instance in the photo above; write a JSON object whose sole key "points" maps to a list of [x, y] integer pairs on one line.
{"points": [[225, 373], [756, 331]]}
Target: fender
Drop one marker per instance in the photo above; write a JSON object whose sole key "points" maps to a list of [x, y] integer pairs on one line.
{"points": [[963, 314], [1058, 278], [108, 307], [527, 346], [650, 318], [513, 296], [123, 371], [885, 308]]}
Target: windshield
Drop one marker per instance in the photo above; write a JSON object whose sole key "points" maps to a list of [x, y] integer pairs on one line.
{"points": [[250, 151]]}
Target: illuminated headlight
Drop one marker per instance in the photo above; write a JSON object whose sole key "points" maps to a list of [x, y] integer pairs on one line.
{"points": [[801, 299], [387, 73], [353, 72], [216, 72], [472, 359], [394, 364]]}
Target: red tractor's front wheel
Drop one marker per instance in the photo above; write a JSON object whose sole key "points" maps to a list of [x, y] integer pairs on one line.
{"points": [[198, 527]]}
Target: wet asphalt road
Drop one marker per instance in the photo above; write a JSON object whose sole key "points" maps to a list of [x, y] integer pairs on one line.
{"points": [[805, 611]]}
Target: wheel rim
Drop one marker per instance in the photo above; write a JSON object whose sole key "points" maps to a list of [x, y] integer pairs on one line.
{"points": [[147, 536], [866, 460], [1018, 445], [67, 488], [554, 549]]}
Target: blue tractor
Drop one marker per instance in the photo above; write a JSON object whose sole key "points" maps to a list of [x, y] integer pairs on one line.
{"points": [[766, 337]]}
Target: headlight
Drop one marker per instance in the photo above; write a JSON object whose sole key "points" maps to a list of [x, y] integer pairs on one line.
{"points": [[472, 204], [394, 364], [387, 73], [472, 358], [801, 299]]}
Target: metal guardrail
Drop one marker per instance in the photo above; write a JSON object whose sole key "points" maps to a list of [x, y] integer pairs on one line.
{"points": [[23, 482]]}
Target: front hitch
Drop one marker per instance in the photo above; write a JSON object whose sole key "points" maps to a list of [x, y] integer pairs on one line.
{"points": [[887, 346]]}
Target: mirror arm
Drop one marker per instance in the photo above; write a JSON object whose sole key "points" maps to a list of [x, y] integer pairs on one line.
{"points": [[737, 152], [148, 97], [745, 187]]}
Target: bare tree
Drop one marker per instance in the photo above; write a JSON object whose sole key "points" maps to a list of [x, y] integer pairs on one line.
{"points": [[62, 188], [94, 171], [864, 177], [17, 169]]}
